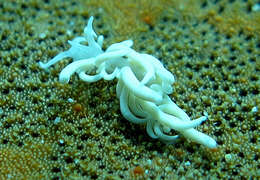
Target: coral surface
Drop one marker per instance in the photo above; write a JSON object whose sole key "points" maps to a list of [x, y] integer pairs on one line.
{"points": [[50, 130]]}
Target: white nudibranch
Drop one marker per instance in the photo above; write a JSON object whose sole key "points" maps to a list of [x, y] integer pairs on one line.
{"points": [[143, 85]]}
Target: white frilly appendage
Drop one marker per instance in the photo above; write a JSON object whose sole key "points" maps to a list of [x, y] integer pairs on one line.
{"points": [[143, 85]]}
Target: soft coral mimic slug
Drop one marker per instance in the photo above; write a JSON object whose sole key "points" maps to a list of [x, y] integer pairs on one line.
{"points": [[143, 85]]}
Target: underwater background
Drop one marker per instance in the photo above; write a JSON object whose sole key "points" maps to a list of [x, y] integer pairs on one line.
{"points": [[50, 130]]}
